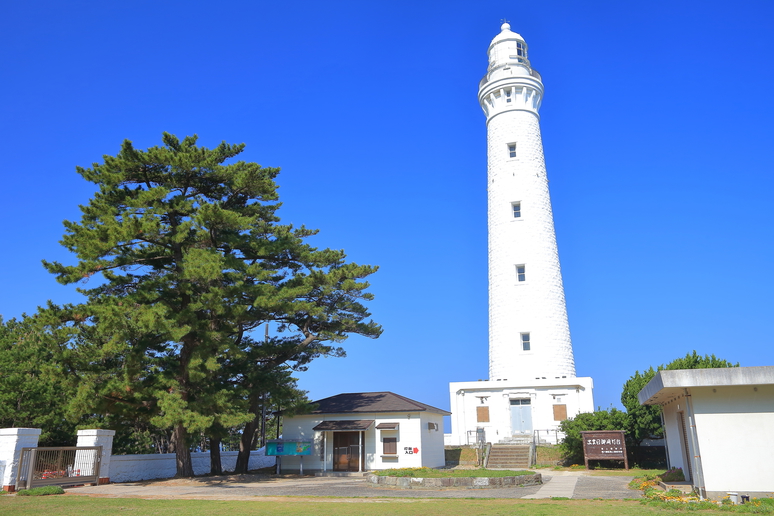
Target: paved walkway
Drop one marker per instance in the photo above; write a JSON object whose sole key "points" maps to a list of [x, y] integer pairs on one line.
{"points": [[557, 486], [566, 484]]}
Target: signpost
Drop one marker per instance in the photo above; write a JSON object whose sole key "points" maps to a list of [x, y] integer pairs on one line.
{"points": [[282, 447], [604, 445]]}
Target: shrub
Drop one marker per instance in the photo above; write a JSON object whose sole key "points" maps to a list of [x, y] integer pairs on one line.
{"points": [[673, 475], [42, 491]]}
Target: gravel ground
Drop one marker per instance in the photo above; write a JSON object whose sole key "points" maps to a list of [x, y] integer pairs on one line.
{"points": [[252, 486]]}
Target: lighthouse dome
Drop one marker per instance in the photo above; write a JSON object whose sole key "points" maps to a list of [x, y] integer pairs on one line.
{"points": [[505, 34], [507, 49]]}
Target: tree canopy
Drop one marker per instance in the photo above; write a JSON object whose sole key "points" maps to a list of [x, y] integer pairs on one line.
{"points": [[640, 422], [645, 420], [33, 381], [190, 258]]}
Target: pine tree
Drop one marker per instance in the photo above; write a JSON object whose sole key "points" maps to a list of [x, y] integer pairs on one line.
{"points": [[192, 258], [34, 381]]}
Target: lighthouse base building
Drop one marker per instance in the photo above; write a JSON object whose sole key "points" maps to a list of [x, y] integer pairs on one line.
{"points": [[510, 411], [532, 385]]}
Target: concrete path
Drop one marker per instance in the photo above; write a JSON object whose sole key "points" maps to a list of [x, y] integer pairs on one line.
{"points": [[582, 484], [557, 486]]}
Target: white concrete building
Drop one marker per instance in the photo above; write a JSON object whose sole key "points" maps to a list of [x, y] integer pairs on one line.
{"points": [[531, 363], [367, 431], [497, 411], [718, 425]]}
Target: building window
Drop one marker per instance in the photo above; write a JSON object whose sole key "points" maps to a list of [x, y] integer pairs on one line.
{"points": [[516, 207], [511, 150], [390, 445], [508, 97], [482, 414], [560, 412], [525, 341], [521, 272]]}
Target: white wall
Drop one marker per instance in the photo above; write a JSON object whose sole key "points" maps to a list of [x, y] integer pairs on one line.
{"points": [[676, 448], [132, 468], [733, 428], [575, 393], [411, 433], [432, 451], [735, 425], [12, 440]]}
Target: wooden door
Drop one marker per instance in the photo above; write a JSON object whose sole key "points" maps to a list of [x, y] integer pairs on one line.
{"points": [[346, 451]]}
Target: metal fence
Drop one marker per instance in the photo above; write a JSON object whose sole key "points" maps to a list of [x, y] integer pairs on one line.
{"points": [[61, 466], [548, 436]]}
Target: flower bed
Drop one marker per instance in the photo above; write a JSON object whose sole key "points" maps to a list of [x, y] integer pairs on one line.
{"points": [[470, 482]]}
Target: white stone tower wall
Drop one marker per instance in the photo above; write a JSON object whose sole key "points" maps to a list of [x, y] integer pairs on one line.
{"points": [[510, 95]]}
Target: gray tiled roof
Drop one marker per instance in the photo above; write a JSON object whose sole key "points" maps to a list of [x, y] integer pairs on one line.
{"points": [[354, 424], [372, 402]]}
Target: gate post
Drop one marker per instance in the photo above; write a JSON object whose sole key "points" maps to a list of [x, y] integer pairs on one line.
{"points": [[102, 438], [12, 440]]}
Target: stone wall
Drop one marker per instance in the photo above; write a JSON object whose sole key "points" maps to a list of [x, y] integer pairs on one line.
{"points": [[468, 482]]}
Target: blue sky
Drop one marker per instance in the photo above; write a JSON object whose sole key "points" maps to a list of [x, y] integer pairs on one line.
{"points": [[657, 128]]}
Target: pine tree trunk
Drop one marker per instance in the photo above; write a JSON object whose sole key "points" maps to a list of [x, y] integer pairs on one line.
{"points": [[245, 445], [182, 453], [216, 467]]}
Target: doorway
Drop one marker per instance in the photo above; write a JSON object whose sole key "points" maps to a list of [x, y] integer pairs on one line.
{"points": [[521, 416], [685, 447], [346, 451]]}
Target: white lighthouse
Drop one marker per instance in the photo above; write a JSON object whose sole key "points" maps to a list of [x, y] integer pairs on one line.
{"points": [[529, 336], [532, 385]]}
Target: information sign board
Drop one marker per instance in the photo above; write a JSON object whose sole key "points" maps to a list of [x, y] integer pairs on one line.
{"points": [[288, 447], [604, 445]]}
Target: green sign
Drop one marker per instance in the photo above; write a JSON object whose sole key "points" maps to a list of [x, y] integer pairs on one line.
{"points": [[289, 447]]}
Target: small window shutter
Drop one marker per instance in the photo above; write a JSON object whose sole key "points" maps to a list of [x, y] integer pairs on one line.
{"points": [[482, 414], [390, 445], [560, 412]]}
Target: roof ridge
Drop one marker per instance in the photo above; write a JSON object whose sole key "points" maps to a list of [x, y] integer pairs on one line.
{"points": [[375, 401], [415, 402]]}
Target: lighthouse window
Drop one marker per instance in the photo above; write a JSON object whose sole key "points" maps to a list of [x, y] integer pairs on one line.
{"points": [[525, 341], [512, 150], [521, 273], [516, 206]]}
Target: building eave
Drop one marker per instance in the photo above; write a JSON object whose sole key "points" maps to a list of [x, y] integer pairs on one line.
{"points": [[668, 385]]}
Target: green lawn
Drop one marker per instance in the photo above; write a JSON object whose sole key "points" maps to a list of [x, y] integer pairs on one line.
{"points": [[290, 506]]}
